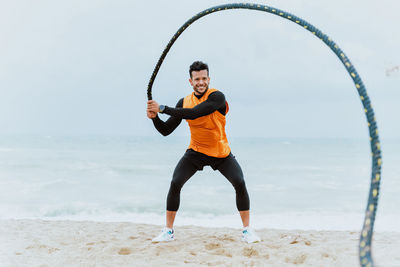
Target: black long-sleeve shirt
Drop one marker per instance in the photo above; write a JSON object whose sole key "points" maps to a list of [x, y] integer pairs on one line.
{"points": [[215, 101]]}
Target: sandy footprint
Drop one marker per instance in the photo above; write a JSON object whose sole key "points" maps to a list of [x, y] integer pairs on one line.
{"points": [[43, 248], [193, 253], [211, 246], [124, 251], [298, 259], [250, 252], [227, 238]]}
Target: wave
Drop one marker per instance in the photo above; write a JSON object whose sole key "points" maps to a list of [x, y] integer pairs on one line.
{"points": [[330, 221]]}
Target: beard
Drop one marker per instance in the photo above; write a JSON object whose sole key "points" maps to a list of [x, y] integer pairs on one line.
{"points": [[199, 89]]}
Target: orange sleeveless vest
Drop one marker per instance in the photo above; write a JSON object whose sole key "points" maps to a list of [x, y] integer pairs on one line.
{"points": [[207, 133]]}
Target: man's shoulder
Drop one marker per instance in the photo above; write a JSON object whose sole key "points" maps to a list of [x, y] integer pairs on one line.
{"points": [[189, 95], [217, 95], [216, 92]]}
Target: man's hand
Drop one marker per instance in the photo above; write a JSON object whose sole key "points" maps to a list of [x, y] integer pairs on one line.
{"points": [[152, 106], [151, 115]]}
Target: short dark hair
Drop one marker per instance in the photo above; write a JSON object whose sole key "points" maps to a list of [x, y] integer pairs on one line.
{"points": [[197, 66]]}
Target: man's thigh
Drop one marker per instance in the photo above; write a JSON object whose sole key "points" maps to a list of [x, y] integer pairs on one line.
{"points": [[231, 169], [184, 170]]}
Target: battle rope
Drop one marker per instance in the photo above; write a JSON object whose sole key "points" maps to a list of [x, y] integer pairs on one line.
{"points": [[368, 226]]}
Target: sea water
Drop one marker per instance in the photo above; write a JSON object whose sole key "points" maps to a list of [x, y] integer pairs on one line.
{"points": [[292, 183]]}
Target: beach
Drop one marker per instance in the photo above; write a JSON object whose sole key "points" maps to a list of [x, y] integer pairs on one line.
{"points": [[98, 201], [88, 243]]}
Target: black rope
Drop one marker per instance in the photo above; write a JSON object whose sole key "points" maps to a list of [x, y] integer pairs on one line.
{"points": [[368, 226]]}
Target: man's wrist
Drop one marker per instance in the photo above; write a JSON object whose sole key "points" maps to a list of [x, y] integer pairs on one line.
{"points": [[161, 109]]}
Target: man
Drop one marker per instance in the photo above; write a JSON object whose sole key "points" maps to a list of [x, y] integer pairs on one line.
{"points": [[204, 110]]}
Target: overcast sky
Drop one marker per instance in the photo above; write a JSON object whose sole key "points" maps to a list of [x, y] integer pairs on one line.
{"points": [[82, 67]]}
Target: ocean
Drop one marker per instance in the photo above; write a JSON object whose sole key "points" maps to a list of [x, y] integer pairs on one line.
{"points": [[319, 184]]}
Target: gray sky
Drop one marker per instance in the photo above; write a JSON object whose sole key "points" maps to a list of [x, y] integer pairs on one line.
{"points": [[82, 67]]}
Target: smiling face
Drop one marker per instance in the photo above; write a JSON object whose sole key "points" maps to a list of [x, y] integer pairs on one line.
{"points": [[199, 81]]}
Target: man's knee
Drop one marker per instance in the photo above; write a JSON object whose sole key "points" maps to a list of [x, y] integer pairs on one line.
{"points": [[239, 185], [175, 187]]}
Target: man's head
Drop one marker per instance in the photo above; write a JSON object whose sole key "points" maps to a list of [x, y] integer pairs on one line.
{"points": [[199, 78]]}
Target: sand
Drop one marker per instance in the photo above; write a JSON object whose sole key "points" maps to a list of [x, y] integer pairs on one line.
{"points": [[87, 243]]}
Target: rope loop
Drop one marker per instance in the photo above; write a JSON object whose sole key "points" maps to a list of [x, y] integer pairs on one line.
{"points": [[369, 219]]}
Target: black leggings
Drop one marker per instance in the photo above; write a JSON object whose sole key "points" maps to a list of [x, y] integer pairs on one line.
{"points": [[193, 161]]}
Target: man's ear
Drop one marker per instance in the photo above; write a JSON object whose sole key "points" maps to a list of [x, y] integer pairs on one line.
{"points": [[191, 82]]}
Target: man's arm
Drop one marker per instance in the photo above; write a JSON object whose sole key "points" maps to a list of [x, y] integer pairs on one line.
{"points": [[215, 101], [167, 127]]}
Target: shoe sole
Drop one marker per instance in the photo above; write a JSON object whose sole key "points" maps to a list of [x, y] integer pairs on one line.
{"points": [[256, 241]]}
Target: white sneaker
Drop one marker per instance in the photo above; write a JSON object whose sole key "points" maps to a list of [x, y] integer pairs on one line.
{"points": [[167, 234], [249, 235]]}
